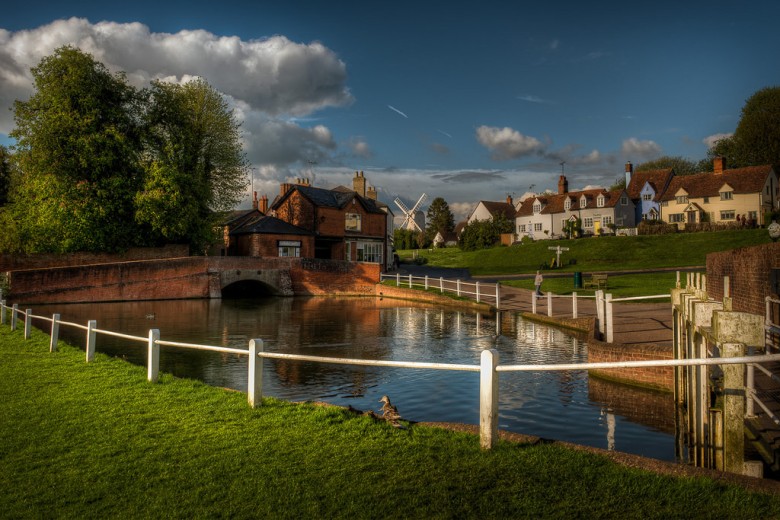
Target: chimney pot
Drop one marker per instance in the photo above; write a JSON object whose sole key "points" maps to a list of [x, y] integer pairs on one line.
{"points": [[719, 164]]}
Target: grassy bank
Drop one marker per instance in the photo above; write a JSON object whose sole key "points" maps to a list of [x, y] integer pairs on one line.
{"points": [[96, 440], [597, 253]]}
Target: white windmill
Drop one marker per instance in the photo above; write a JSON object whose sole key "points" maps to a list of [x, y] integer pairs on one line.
{"points": [[410, 222]]}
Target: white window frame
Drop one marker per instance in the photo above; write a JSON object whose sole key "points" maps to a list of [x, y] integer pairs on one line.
{"points": [[353, 222], [726, 195], [587, 222], [600, 201], [537, 226], [728, 214]]}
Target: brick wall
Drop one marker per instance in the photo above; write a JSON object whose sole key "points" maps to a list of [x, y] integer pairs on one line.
{"points": [[13, 262], [648, 407], [261, 245], [329, 277], [661, 378], [749, 270]]}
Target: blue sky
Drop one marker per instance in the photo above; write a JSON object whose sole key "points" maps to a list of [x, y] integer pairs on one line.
{"points": [[465, 100]]}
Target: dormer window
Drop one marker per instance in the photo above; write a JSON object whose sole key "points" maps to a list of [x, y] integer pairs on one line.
{"points": [[600, 201], [567, 204], [537, 207], [583, 202], [682, 199], [726, 195]]}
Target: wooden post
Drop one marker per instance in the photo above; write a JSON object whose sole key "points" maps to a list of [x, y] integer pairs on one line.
{"points": [[153, 356], [2, 314], [255, 377], [458, 287], [91, 338], [476, 285], [574, 305], [488, 399], [441, 284], [426, 282], [14, 312], [27, 323], [733, 410], [549, 304], [498, 296], [410, 281], [533, 303], [600, 311], [55, 332], [398, 279], [609, 318]]}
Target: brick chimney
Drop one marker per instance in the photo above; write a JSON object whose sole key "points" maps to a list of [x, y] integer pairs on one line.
{"points": [[509, 199], [284, 188], [371, 193], [254, 200], [263, 207], [563, 185], [719, 163], [629, 172], [359, 184]]}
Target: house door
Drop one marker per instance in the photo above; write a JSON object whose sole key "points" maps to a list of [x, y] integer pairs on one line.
{"points": [[691, 217], [596, 226]]}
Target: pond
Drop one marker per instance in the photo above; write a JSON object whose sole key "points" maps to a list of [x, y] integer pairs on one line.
{"points": [[567, 406]]}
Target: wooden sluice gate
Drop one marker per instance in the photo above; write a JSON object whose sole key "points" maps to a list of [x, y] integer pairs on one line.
{"points": [[727, 412]]}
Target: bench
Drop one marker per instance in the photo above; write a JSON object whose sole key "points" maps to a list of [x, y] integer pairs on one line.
{"points": [[597, 281]]}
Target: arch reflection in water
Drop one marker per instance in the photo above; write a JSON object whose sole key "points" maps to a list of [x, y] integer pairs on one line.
{"points": [[556, 405]]}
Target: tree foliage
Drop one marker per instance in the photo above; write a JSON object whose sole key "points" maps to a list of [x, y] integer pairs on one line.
{"points": [[102, 166], [681, 165], [194, 162], [439, 217], [481, 234], [409, 239], [756, 140], [6, 169]]}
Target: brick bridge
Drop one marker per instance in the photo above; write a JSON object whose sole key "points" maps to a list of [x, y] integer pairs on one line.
{"points": [[190, 277]]}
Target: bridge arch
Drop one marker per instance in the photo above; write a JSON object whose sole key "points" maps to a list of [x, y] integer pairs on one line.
{"points": [[255, 282]]}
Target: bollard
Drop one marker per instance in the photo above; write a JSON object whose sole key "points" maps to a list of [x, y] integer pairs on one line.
{"points": [[27, 323], [153, 356], [55, 332], [255, 378], [91, 338], [488, 399], [14, 312]]}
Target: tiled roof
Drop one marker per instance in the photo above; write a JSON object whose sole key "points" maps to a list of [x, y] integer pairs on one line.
{"points": [[742, 180], [331, 198], [657, 178], [238, 217], [268, 225], [553, 204], [499, 208]]}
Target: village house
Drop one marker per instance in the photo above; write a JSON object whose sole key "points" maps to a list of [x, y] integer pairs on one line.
{"points": [[738, 196], [488, 210], [546, 216], [645, 189]]}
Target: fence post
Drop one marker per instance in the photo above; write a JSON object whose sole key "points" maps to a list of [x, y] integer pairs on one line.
{"points": [[488, 399], [14, 312], [609, 318], [2, 314], [441, 284], [91, 337], [733, 410], [549, 303], [410, 281], [398, 279], [153, 355], [27, 323], [498, 296], [677, 283], [476, 286], [55, 332], [426, 282], [254, 389], [600, 310], [574, 305], [750, 389], [458, 292], [533, 302]]}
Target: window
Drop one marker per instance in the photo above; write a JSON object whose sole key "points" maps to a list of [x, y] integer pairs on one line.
{"points": [[677, 217], [727, 214], [521, 228], [624, 201], [583, 202], [567, 204], [647, 196], [753, 215], [538, 226], [606, 220], [682, 199], [369, 252], [664, 203], [588, 222], [537, 207], [352, 222], [289, 248], [726, 195], [644, 216], [706, 200], [600, 201]]}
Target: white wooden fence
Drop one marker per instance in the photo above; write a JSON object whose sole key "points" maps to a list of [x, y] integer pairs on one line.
{"points": [[481, 292], [489, 367]]}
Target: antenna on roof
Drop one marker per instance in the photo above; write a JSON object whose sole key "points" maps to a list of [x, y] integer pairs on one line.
{"points": [[562, 163]]}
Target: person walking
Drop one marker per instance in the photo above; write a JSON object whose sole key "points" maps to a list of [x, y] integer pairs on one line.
{"points": [[538, 283]]}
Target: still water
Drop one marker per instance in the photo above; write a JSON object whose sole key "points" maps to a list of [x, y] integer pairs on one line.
{"points": [[566, 406]]}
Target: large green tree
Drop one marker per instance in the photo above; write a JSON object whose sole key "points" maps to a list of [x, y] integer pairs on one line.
{"points": [[5, 174], [439, 218], [194, 164], [77, 143], [681, 165], [756, 140]]}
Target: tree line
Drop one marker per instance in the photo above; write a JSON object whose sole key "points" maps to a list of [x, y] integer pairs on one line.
{"points": [[99, 165]]}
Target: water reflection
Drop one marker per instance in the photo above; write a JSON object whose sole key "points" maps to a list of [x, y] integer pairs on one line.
{"points": [[557, 405]]}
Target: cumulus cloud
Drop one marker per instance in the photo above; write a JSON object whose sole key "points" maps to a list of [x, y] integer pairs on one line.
{"points": [[266, 80], [633, 147], [507, 143], [711, 140], [360, 148], [466, 177]]}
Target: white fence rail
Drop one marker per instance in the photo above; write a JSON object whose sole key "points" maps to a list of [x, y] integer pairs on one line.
{"points": [[488, 368], [482, 292]]}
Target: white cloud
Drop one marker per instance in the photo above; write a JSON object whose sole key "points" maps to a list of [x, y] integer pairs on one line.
{"points": [[711, 140], [633, 147], [272, 76], [506, 143], [360, 148]]}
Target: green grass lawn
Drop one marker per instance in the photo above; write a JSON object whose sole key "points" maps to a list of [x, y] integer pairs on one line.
{"points": [[619, 286], [96, 440], [607, 253]]}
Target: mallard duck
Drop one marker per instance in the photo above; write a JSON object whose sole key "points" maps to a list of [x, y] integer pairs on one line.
{"points": [[390, 412]]}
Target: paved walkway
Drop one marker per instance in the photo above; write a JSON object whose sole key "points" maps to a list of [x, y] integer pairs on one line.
{"points": [[634, 323]]}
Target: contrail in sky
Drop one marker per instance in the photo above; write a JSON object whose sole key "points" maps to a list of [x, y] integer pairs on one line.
{"points": [[391, 107], [444, 133]]}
